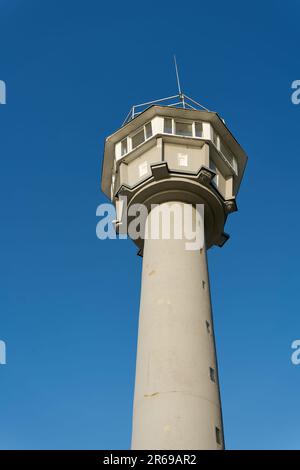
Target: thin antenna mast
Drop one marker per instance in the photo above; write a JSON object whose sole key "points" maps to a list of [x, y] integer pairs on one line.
{"points": [[181, 95]]}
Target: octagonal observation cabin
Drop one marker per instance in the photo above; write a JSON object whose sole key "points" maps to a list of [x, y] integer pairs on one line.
{"points": [[181, 133]]}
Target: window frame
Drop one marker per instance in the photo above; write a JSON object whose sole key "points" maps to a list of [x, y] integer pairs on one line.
{"points": [[194, 129], [172, 126], [235, 165], [214, 168], [121, 142], [174, 121], [216, 135], [139, 131], [191, 123], [219, 144], [145, 125], [142, 128]]}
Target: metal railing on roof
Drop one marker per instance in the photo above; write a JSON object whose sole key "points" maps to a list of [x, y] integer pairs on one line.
{"points": [[177, 101]]}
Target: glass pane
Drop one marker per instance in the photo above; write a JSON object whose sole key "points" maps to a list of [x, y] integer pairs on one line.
{"points": [[213, 167], [148, 130], [124, 147], [234, 165], [184, 128], [198, 129], [138, 138], [228, 155], [226, 152], [168, 126], [214, 137]]}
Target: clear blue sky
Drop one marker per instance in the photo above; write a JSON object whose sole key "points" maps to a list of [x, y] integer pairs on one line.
{"points": [[68, 301]]}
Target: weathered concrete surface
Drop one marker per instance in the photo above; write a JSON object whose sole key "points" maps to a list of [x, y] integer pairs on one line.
{"points": [[176, 403]]}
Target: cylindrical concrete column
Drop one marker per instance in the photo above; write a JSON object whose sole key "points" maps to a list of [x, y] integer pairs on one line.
{"points": [[176, 401]]}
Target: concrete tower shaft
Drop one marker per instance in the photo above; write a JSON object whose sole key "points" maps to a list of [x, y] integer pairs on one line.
{"points": [[166, 155], [177, 400]]}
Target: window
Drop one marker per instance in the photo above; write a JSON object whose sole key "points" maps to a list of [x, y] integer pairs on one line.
{"points": [[224, 150], [124, 148], [228, 156], [198, 129], [142, 135], [212, 374], [184, 128], [203, 284], [215, 138], [148, 130], [218, 436], [168, 126], [138, 138], [207, 326], [234, 165], [190, 129], [213, 167]]}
